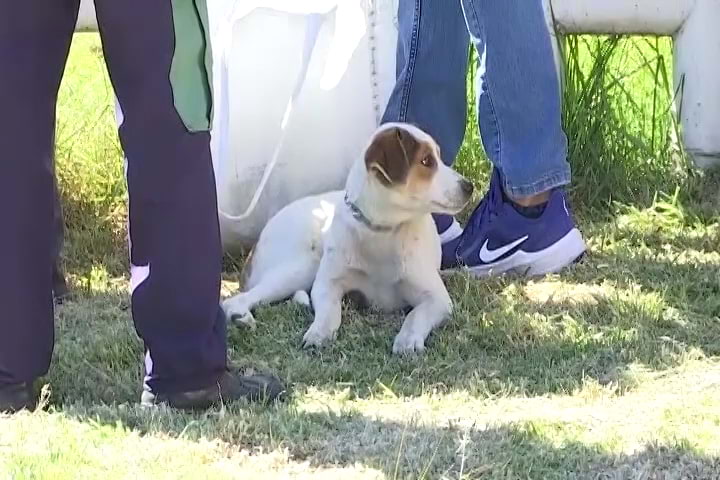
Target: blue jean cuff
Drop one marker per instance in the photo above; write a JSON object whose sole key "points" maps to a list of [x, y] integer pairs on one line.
{"points": [[545, 183]]}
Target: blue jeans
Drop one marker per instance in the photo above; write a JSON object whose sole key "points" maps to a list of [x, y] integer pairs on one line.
{"points": [[519, 106]]}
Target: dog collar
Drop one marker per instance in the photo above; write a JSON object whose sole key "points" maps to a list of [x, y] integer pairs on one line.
{"points": [[360, 217]]}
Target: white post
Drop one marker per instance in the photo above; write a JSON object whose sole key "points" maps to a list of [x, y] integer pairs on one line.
{"points": [[697, 75]]}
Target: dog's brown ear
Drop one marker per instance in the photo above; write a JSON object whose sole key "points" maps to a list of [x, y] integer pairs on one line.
{"points": [[389, 156]]}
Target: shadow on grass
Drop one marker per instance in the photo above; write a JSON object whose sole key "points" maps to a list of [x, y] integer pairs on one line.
{"points": [[409, 449]]}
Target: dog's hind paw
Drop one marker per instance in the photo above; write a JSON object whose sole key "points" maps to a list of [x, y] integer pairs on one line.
{"points": [[247, 319], [302, 297], [239, 314]]}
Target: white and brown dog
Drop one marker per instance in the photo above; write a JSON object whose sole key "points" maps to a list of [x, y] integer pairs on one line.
{"points": [[376, 238]]}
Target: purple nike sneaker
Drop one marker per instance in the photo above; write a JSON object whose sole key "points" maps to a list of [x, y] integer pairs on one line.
{"points": [[500, 239]]}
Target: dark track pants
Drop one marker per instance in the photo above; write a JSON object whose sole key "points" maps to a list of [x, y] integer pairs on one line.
{"points": [[175, 241]]}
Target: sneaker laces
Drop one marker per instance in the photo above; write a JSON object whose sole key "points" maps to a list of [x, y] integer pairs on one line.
{"points": [[489, 207]]}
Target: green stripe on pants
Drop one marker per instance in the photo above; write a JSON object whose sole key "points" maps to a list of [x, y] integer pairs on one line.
{"points": [[191, 70]]}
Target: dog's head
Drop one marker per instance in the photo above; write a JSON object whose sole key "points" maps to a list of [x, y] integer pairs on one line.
{"points": [[406, 163]]}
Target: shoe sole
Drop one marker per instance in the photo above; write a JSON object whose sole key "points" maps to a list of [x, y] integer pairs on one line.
{"points": [[550, 260]]}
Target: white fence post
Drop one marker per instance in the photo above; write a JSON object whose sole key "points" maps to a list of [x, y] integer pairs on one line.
{"points": [[697, 75], [695, 27]]}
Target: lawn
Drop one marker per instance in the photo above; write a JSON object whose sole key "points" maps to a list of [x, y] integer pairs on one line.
{"points": [[610, 370]]}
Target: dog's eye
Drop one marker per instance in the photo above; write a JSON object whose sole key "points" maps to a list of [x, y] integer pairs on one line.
{"points": [[427, 161]]}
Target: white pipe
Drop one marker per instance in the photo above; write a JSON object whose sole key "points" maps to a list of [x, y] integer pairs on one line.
{"points": [[653, 17], [695, 27]]}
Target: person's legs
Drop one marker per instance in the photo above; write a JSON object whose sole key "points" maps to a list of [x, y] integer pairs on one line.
{"points": [[162, 85], [35, 38], [430, 91], [524, 222], [174, 234], [518, 95]]}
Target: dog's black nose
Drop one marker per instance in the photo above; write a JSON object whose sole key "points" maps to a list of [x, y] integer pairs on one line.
{"points": [[467, 187]]}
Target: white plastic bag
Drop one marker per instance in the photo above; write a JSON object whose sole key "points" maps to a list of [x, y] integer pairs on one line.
{"points": [[299, 87]]}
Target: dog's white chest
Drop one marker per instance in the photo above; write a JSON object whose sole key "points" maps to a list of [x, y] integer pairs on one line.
{"points": [[379, 267], [381, 291]]}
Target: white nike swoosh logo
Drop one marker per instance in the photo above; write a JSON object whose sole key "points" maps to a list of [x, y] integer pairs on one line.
{"points": [[489, 256]]}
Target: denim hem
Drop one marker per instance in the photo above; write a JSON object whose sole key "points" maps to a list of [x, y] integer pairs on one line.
{"points": [[546, 182]]}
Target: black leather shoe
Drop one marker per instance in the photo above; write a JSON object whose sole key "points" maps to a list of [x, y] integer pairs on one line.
{"points": [[16, 396], [230, 387]]}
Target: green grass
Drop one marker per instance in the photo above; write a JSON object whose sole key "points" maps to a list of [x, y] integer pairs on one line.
{"points": [[610, 370]]}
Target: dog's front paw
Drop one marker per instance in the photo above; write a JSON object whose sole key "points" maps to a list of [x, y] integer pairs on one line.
{"points": [[317, 335], [238, 313], [409, 342]]}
